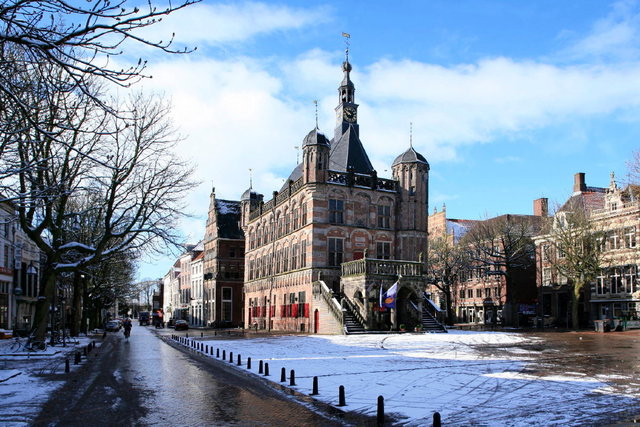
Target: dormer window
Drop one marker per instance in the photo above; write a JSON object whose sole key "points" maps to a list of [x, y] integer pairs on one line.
{"points": [[614, 206]]}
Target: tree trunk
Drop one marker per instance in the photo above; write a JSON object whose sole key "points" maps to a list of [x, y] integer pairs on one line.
{"points": [[575, 297], [450, 314], [47, 290], [76, 305]]}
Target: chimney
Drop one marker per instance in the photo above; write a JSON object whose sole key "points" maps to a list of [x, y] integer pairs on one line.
{"points": [[541, 207], [578, 183]]}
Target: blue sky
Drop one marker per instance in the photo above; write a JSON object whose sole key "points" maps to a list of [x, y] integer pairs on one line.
{"points": [[508, 99]]}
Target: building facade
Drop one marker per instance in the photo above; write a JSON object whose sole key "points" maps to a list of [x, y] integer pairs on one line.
{"points": [[614, 295], [223, 264], [479, 291], [319, 253]]}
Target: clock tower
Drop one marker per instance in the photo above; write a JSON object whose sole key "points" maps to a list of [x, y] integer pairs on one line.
{"points": [[347, 109]]}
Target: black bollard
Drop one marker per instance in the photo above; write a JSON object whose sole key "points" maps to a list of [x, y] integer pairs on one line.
{"points": [[215, 333], [248, 363], [211, 350], [266, 369], [224, 354], [76, 359], [436, 420], [239, 361], [206, 348], [283, 375], [231, 357], [341, 399], [217, 352], [380, 414], [315, 386], [201, 334], [84, 351], [187, 335], [260, 370], [93, 343], [67, 368], [292, 378]]}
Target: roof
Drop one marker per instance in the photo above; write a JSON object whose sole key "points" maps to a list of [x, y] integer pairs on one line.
{"points": [[410, 156], [586, 201], [315, 138], [228, 219], [348, 152]]}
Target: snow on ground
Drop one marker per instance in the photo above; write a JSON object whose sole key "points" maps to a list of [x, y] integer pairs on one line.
{"points": [[419, 374], [26, 380]]}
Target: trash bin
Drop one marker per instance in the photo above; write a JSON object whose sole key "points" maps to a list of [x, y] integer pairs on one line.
{"points": [[599, 325]]}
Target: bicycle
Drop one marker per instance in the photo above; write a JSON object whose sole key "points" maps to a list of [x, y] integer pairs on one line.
{"points": [[31, 345]]}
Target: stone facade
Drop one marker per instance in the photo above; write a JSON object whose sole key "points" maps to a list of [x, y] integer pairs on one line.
{"points": [[615, 293], [334, 209]]}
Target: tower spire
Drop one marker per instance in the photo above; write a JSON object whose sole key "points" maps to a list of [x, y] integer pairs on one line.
{"points": [[410, 134], [315, 102]]}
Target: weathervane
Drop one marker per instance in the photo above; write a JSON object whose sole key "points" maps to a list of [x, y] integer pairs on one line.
{"points": [[250, 178], [297, 148], [347, 38]]}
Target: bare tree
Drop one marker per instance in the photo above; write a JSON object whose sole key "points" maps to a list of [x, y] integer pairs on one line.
{"points": [[445, 263], [503, 246], [52, 46], [573, 246], [128, 172]]}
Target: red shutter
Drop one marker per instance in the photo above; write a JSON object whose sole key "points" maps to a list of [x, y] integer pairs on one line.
{"points": [[273, 311], [306, 310], [283, 310], [295, 310]]}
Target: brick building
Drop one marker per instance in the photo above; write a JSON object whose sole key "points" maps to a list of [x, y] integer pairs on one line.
{"points": [[223, 263], [479, 292], [318, 253], [615, 292]]}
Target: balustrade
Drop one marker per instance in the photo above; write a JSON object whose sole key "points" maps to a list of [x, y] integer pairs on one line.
{"points": [[382, 267]]}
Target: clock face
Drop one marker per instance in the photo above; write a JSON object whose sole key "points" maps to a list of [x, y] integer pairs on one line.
{"points": [[350, 114]]}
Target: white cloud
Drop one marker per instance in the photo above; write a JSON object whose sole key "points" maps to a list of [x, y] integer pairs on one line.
{"points": [[222, 23], [615, 36]]}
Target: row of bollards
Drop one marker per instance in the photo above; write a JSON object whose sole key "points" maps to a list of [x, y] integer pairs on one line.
{"points": [[77, 357], [263, 369]]}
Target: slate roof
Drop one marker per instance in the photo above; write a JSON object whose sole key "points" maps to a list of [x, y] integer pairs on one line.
{"points": [[315, 138], [410, 156], [347, 152], [228, 219]]}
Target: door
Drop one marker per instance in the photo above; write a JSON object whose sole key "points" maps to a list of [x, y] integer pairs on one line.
{"points": [[316, 321]]}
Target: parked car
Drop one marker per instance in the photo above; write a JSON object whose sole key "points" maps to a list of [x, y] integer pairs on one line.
{"points": [[112, 326], [181, 324]]}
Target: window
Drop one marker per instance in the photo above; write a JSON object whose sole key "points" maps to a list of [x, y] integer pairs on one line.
{"points": [[296, 218], [383, 250], [336, 249], [301, 302], [384, 216], [616, 282], [546, 276], [285, 256], [287, 223], [631, 279], [601, 284], [303, 254], [336, 211], [614, 241], [487, 292], [294, 257], [630, 237], [462, 294], [478, 293], [303, 208], [469, 293]]}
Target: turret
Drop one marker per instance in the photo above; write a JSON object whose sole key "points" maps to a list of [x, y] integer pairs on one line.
{"points": [[315, 157]]}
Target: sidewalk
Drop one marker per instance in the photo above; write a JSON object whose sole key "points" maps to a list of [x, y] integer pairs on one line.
{"points": [[28, 378]]}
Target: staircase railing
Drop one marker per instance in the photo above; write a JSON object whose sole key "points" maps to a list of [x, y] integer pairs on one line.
{"points": [[354, 310], [321, 288]]}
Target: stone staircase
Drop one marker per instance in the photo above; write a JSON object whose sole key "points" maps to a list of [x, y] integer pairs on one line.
{"points": [[430, 323], [351, 323]]}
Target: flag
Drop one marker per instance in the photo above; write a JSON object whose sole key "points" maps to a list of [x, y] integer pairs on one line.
{"points": [[347, 35], [388, 299]]}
